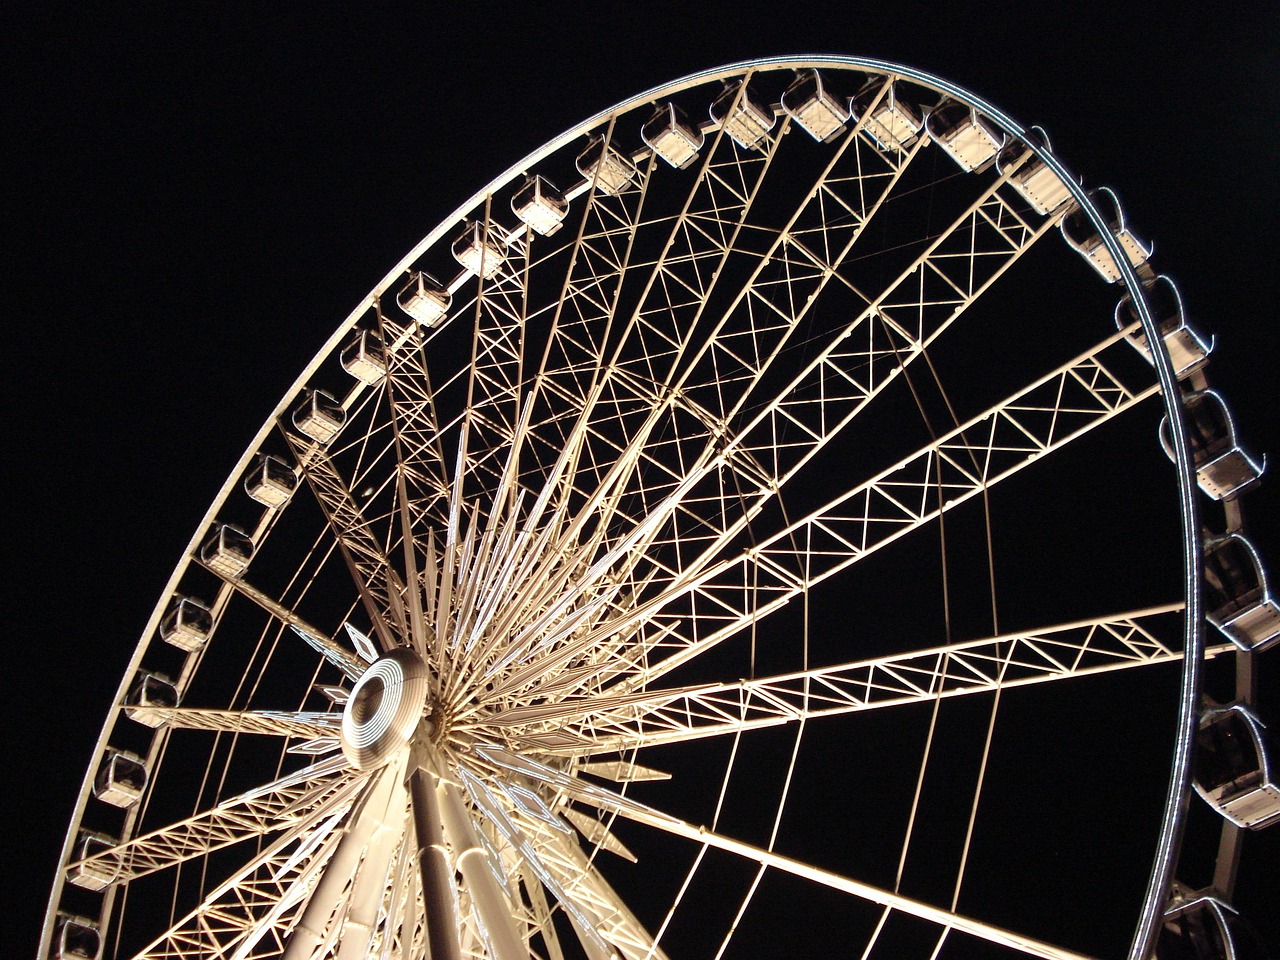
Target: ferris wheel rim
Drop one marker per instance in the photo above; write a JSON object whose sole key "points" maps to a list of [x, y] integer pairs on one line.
{"points": [[1193, 642]]}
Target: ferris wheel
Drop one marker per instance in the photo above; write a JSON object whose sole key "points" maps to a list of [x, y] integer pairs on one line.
{"points": [[745, 526]]}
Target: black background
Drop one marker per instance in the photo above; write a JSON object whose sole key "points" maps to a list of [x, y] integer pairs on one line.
{"points": [[198, 193]]}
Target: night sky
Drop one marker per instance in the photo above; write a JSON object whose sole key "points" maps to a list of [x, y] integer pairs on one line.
{"points": [[196, 198]]}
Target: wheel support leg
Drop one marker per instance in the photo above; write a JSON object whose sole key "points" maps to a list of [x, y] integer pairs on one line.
{"points": [[322, 905], [499, 930], [433, 862]]}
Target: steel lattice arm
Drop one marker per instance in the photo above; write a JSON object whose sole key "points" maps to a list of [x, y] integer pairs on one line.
{"points": [[260, 902], [331, 650], [993, 446], [833, 388], [605, 724], [886, 334], [379, 584], [300, 798]]}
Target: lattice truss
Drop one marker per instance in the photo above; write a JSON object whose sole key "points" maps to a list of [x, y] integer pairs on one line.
{"points": [[595, 496]]}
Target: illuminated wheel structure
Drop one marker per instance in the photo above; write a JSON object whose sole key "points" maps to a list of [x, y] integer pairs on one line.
{"points": [[740, 529]]}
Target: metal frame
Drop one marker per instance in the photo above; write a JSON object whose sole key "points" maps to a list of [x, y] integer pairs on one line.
{"points": [[647, 615]]}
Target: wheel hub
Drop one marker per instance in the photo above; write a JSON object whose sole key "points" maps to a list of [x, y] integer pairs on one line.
{"points": [[384, 709]]}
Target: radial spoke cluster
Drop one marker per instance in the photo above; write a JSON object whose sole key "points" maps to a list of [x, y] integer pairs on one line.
{"points": [[732, 438]]}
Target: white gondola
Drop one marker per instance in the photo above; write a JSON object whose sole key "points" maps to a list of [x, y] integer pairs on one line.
{"points": [[319, 416], [891, 121], [1080, 233], [1198, 927], [1238, 599], [607, 167], [1188, 349], [1232, 770], [478, 250], [121, 778], [670, 135], [1223, 468], [76, 938], [816, 109], [228, 551], [152, 690], [91, 875], [964, 135], [364, 357], [743, 117], [424, 298], [187, 624], [270, 481], [540, 206], [1034, 181]]}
